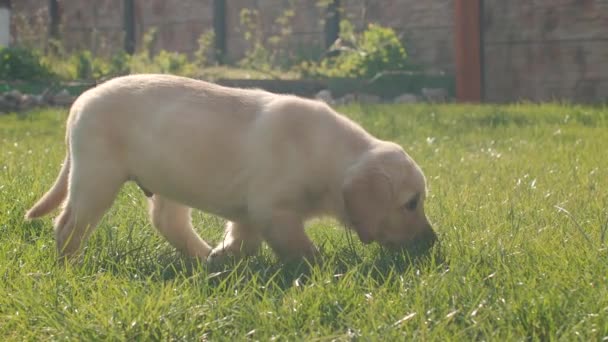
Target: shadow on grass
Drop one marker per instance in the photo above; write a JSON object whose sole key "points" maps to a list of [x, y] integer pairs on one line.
{"points": [[162, 264], [382, 267], [34, 230]]}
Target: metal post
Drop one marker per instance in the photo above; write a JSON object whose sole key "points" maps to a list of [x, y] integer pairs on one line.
{"points": [[5, 23], [332, 23], [482, 52], [54, 19], [129, 13], [219, 30], [467, 41]]}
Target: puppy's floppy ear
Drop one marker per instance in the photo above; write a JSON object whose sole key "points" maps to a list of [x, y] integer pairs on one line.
{"points": [[367, 196]]}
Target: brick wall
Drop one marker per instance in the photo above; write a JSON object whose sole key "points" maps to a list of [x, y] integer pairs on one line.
{"points": [[98, 25], [425, 26], [29, 22], [546, 49], [534, 49], [306, 26], [180, 23]]}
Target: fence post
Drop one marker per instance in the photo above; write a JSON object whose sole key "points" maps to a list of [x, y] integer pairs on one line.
{"points": [[332, 23], [129, 13], [467, 42], [219, 30], [54, 21], [5, 23]]}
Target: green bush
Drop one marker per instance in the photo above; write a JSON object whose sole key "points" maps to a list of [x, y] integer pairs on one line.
{"points": [[361, 55], [273, 53], [173, 63], [205, 53], [84, 65], [83, 62], [146, 61], [22, 64], [119, 64]]}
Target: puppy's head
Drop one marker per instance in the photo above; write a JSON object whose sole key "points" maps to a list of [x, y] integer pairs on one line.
{"points": [[384, 194]]}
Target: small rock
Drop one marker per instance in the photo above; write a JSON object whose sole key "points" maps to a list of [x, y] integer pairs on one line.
{"points": [[46, 96], [4, 105], [406, 98], [368, 98], [63, 98], [26, 102], [11, 101], [435, 94], [39, 100], [325, 96], [344, 100], [13, 96]]}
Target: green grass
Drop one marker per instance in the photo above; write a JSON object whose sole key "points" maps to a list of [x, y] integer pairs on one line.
{"points": [[518, 195]]}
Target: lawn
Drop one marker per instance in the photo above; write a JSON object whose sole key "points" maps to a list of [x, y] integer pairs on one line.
{"points": [[518, 195]]}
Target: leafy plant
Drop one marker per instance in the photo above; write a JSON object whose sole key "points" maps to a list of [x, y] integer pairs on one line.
{"points": [[119, 64], [173, 63], [204, 54], [146, 61], [267, 53], [257, 56], [84, 65], [22, 64], [367, 54]]}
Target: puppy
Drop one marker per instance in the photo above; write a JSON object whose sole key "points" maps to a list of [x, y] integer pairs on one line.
{"points": [[263, 161]]}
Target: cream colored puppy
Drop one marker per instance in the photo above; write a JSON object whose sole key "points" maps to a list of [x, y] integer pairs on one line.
{"points": [[263, 161]]}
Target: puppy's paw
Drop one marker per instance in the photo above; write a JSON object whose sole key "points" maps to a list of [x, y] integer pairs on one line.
{"points": [[311, 256], [221, 256]]}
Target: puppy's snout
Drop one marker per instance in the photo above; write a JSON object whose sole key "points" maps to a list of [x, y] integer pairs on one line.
{"points": [[426, 239], [429, 237]]}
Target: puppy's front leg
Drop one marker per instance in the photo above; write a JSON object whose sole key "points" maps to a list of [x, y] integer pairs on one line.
{"points": [[286, 236]]}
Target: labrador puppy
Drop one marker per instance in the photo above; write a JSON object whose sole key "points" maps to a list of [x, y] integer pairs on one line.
{"points": [[263, 161]]}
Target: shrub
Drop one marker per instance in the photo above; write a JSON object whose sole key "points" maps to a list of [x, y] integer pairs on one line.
{"points": [[205, 53], [83, 63], [257, 56], [363, 55], [173, 63], [22, 64], [119, 64], [273, 52], [146, 61]]}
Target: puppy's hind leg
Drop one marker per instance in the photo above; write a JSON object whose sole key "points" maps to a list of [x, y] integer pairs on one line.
{"points": [[174, 222], [92, 189]]}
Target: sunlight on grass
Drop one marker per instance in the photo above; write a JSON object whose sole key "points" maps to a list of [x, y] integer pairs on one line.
{"points": [[518, 195]]}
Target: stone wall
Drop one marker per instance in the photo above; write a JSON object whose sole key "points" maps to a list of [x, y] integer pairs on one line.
{"points": [[546, 49], [306, 26], [533, 49], [29, 22], [5, 20], [426, 27], [98, 25]]}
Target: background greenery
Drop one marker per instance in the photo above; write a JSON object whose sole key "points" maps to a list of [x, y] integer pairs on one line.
{"points": [[518, 195], [372, 61]]}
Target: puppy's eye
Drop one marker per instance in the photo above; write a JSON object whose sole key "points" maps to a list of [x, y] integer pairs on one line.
{"points": [[413, 203]]}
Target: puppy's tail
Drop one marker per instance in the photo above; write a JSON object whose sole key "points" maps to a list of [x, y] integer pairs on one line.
{"points": [[53, 198]]}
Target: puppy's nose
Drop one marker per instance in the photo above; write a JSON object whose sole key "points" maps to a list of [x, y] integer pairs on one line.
{"points": [[427, 239]]}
